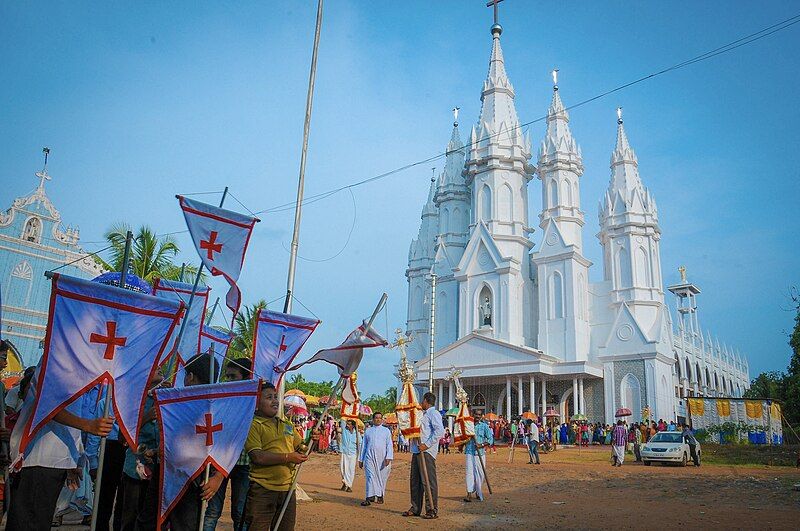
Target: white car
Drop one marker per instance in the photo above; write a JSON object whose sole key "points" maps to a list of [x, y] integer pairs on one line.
{"points": [[668, 447]]}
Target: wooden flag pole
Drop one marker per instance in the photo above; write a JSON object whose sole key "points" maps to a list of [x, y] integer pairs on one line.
{"points": [[123, 279], [331, 397], [211, 378], [483, 467]]}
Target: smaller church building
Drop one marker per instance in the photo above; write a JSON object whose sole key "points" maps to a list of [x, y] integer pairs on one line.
{"points": [[32, 241], [520, 318]]}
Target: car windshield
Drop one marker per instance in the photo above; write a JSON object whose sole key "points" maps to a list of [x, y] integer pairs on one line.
{"points": [[667, 437]]}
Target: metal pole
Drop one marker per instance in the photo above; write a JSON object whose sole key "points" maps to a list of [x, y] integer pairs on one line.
{"points": [[183, 272], [123, 277], [213, 311], [298, 209], [433, 332]]}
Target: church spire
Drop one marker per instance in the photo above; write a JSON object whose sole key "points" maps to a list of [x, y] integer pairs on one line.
{"points": [[625, 190]]}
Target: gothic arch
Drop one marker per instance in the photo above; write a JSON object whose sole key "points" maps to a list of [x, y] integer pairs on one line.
{"points": [[33, 230], [642, 268], [688, 370], [481, 292], [624, 277], [716, 382], [505, 203], [416, 306], [575, 197], [698, 374], [630, 394], [553, 193], [485, 203], [445, 220], [566, 192], [456, 219], [678, 370], [708, 378], [556, 295]]}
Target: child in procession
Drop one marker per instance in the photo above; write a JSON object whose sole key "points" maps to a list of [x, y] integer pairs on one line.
{"points": [[275, 448]]}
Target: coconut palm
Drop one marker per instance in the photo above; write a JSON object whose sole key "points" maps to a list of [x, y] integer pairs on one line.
{"points": [[151, 255], [243, 329]]}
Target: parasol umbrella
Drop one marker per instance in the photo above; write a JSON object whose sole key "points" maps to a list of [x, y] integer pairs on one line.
{"points": [[132, 282], [296, 411], [324, 400], [295, 392], [551, 413], [580, 417], [390, 418], [490, 417], [364, 409], [294, 401], [312, 401], [452, 412], [528, 415], [623, 412]]}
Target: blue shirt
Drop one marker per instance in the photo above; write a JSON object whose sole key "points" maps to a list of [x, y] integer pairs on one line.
{"points": [[350, 441], [483, 435], [431, 430]]}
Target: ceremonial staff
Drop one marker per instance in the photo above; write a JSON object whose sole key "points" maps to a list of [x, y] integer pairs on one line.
{"points": [[461, 395], [331, 397]]}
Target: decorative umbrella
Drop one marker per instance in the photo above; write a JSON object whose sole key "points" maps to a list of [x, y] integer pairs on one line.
{"points": [[390, 418], [295, 392], [324, 400], [294, 401], [490, 417], [579, 417], [551, 413], [296, 411], [132, 282], [528, 415], [623, 412], [364, 409], [312, 401], [452, 412]]}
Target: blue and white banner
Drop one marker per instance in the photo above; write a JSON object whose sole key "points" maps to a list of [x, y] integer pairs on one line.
{"points": [[221, 238], [278, 338], [100, 334], [176, 291], [200, 425]]}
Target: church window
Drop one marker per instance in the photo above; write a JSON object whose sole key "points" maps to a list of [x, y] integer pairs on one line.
{"points": [[505, 203], [642, 268], [698, 374], [553, 194], [556, 296], [23, 270], [678, 366], [19, 286], [33, 230], [716, 382], [688, 370], [416, 305], [486, 203], [624, 279], [708, 378], [446, 221], [456, 220], [566, 193], [575, 198], [630, 393]]}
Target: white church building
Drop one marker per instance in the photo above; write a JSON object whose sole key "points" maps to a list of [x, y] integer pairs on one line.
{"points": [[517, 314]]}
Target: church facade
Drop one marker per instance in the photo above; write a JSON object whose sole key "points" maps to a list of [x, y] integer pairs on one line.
{"points": [[32, 241], [521, 319]]}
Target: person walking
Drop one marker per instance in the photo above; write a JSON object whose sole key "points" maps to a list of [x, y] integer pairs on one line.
{"points": [[618, 440], [475, 450], [689, 438], [349, 454], [533, 442], [377, 453], [431, 430]]}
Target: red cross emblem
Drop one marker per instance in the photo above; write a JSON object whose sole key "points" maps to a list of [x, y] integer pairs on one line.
{"points": [[283, 346], [110, 340], [211, 245], [208, 429]]}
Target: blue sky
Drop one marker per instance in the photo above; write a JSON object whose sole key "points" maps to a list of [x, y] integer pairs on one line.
{"points": [[141, 102]]}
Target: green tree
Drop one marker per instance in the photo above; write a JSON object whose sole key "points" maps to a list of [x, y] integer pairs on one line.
{"points": [[384, 403], [318, 389], [791, 381], [243, 329], [151, 255], [766, 385]]}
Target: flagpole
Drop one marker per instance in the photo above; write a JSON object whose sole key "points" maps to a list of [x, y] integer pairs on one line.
{"points": [[331, 397], [298, 208], [123, 279]]}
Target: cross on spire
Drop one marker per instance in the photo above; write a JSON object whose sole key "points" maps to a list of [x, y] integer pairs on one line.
{"points": [[493, 4], [208, 428], [110, 340], [211, 245]]}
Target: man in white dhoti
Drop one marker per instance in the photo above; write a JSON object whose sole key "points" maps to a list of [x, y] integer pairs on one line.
{"points": [[474, 450], [348, 454], [618, 440], [376, 457]]}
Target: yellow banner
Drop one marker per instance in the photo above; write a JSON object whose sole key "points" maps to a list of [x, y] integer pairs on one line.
{"points": [[724, 408], [775, 411], [696, 406], [754, 409]]}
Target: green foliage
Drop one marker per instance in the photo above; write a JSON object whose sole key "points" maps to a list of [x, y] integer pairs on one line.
{"points": [[318, 389], [766, 385], [734, 432], [383, 403], [243, 330], [151, 256]]}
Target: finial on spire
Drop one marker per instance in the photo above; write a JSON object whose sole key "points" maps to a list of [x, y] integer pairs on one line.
{"points": [[555, 79], [496, 27], [619, 115], [433, 174], [455, 116], [46, 151], [42, 175], [682, 271]]}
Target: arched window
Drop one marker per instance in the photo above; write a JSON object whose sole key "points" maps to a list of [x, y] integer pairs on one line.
{"points": [[566, 192], [678, 367], [505, 203], [417, 312], [553, 193], [642, 268], [556, 296], [20, 285], [708, 378], [456, 221], [445, 220], [699, 374], [486, 203], [624, 279], [33, 230], [630, 394], [716, 382], [688, 370], [486, 310], [575, 198]]}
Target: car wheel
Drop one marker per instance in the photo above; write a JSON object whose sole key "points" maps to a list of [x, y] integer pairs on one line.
{"points": [[685, 459], [646, 463]]}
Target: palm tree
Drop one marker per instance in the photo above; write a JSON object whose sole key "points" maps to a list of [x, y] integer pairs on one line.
{"points": [[151, 255], [243, 329]]}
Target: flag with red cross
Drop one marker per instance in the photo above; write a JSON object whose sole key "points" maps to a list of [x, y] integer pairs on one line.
{"points": [[200, 425], [100, 334], [195, 316], [211, 340], [221, 238], [347, 356], [277, 339]]}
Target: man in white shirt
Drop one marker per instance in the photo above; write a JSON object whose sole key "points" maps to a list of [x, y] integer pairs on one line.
{"points": [[50, 460], [426, 447], [533, 442]]}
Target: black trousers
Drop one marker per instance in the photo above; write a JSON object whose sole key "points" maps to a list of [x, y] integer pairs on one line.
{"points": [[185, 516], [34, 494], [418, 485], [110, 487], [133, 492], [692, 451]]}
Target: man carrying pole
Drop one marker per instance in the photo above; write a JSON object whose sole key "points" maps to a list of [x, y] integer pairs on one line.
{"points": [[423, 461]]}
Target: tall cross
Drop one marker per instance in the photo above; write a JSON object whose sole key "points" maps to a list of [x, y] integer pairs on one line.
{"points": [[208, 428], [110, 340], [493, 3], [211, 245]]}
